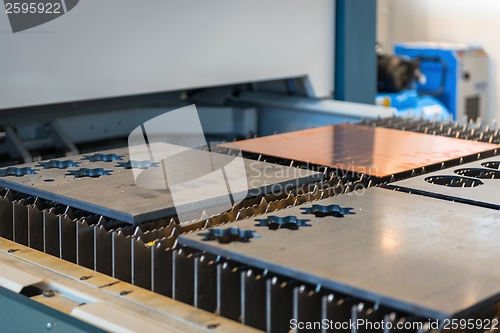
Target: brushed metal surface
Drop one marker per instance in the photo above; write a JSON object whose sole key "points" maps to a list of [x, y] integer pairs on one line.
{"points": [[116, 195], [428, 257], [375, 151]]}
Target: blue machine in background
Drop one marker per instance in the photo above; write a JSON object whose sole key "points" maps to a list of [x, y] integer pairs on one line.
{"points": [[454, 82], [410, 103]]}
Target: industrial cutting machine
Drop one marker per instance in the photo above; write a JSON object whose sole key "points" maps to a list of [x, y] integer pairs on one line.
{"points": [[332, 214], [341, 242]]}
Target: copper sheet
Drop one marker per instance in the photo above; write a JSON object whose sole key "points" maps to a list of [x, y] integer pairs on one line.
{"points": [[375, 151]]}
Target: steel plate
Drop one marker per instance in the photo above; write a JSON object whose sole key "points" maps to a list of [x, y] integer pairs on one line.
{"points": [[483, 193], [374, 151], [116, 194], [428, 257]]}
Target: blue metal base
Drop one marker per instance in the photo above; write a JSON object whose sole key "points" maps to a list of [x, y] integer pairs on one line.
{"points": [[19, 313]]}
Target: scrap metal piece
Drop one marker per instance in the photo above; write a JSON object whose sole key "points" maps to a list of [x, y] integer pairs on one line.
{"points": [[394, 255], [357, 149]]}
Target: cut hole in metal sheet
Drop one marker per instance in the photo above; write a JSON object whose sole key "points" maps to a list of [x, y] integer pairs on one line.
{"points": [[18, 172], [226, 236], [479, 173], [58, 164], [453, 181], [102, 157], [491, 165], [331, 210], [86, 172], [137, 164]]}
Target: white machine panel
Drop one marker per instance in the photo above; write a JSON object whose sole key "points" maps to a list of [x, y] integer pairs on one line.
{"points": [[115, 48]]}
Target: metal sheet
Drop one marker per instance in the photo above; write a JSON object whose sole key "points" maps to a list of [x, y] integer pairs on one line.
{"points": [[483, 193], [374, 151], [15, 279], [416, 254], [75, 272], [111, 318], [117, 196]]}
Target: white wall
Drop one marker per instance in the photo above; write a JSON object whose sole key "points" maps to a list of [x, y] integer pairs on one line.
{"points": [[466, 21], [114, 47]]}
